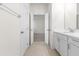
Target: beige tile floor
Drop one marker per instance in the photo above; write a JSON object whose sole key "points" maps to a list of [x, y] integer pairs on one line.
{"points": [[40, 49]]}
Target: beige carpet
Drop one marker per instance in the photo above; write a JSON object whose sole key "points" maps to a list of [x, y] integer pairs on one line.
{"points": [[40, 49]]}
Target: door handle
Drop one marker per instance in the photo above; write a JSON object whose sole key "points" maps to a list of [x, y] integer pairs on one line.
{"points": [[22, 32]]}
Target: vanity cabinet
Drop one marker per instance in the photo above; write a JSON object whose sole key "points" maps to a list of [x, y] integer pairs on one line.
{"points": [[73, 47], [60, 43], [63, 45], [56, 41], [66, 45]]}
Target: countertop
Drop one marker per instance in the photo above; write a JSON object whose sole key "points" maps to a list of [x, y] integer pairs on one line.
{"points": [[64, 32]]}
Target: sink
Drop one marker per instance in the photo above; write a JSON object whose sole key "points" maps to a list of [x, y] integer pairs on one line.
{"points": [[69, 32]]}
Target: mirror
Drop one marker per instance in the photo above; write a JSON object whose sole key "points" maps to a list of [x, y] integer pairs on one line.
{"points": [[70, 18]]}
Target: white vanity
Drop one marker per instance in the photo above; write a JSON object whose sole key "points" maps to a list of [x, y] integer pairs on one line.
{"points": [[67, 43]]}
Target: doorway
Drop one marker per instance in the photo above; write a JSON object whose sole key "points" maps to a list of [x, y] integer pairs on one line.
{"points": [[39, 28]]}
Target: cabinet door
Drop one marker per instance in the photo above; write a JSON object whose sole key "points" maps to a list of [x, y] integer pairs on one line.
{"points": [[73, 50], [63, 46], [73, 47], [56, 41], [60, 42]]}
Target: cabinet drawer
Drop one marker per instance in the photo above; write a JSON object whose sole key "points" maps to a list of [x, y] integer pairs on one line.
{"points": [[73, 50], [73, 47], [73, 41]]}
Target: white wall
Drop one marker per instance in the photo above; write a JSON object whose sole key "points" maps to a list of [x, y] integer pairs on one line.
{"points": [[38, 8], [77, 8], [9, 34], [39, 23], [58, 16], [77, 15], [57, 19]]}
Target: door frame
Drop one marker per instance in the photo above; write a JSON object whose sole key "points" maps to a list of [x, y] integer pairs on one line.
{"points": [[31, 36], [47, 27], [43, 24]]}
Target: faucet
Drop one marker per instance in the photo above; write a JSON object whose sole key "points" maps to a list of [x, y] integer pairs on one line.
{"points": [[70, 29]]}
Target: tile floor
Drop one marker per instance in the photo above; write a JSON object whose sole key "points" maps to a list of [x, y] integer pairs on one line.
{"points": [[40, 49]]}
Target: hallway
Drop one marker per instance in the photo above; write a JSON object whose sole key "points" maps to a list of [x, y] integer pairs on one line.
{"points": [[40, 49]]}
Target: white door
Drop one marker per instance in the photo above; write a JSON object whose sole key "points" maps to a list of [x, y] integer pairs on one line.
{"points": [[24, 28], [24, 39], [46, 28], [32, 28]]}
